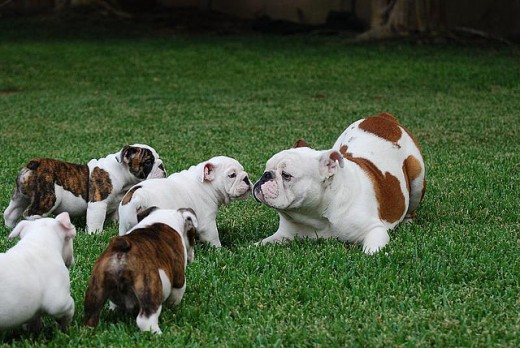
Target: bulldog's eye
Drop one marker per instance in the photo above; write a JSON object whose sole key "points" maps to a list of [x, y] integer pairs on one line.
{"points": [[232, 175], [286, 177]]}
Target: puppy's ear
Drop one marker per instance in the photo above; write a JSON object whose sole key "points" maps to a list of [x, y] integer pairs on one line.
{"points": [[209, 172], [190, 218], [64, 220], [19, 230], [329, 162], [190, 224], [144, 213], [127, 153], [301, 143]]}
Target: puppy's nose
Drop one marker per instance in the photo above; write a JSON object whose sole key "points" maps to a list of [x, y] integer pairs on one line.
{"points": [[161, 168], [246, 180]]}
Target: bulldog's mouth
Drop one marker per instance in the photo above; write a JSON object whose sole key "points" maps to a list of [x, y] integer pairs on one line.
{"points": [[258, 194]]}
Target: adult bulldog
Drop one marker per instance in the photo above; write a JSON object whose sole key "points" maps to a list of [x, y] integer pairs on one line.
{"points": [[203, 188], [371, 180], [46, 186]]}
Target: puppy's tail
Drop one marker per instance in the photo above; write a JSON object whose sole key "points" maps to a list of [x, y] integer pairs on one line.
{"points": [[121, 244]]}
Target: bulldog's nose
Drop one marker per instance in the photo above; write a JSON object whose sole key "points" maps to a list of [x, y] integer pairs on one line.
{"points": [[246, 180], [267, 176]]}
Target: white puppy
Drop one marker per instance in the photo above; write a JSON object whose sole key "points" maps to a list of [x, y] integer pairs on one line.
{"points": [[371, 180], [34, 274], [203, 188]]}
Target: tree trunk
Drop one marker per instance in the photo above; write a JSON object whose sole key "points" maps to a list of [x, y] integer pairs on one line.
{"points": [[397, 18]]}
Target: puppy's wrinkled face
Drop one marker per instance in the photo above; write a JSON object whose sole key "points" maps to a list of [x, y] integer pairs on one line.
{"points": [[143, 161], [291, 180], [228, 175]]}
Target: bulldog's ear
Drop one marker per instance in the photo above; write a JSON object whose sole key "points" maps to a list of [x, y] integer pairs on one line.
{"points": [[19, 230], [64, 220], [301, 143], [127, 153], [190, 218], [209, 172], [144, 213], [190, 224], [329, 162]]}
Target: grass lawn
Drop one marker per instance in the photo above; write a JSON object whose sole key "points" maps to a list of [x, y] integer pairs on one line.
{"points": [[450, 279]]}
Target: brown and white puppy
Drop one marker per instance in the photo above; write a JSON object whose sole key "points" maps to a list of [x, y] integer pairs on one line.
{"points": [[371, 180], [34, 275], [46, 186], [144, 268]]}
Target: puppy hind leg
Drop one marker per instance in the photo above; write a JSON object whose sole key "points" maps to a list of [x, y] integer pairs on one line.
{"points": [[64, 317], [127, 217], [35, 325], [176, 295], [95, 298], [375, 240], [150, 296], [19, 202], [15, 210], [149, 321], [417, 188]]}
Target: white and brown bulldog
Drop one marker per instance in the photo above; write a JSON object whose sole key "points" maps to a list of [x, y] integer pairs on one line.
{"points": [[144, 268], [203, 188], [34, 275], [46, 186], [371, 180]]}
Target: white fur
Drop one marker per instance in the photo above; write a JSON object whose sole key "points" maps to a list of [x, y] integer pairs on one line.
{"points": [[203, 188], [329, 196], [34, 275]]}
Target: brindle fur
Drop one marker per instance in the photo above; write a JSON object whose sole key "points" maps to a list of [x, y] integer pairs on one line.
{"points": [[36, 182], [127, 271], [140, 160]]}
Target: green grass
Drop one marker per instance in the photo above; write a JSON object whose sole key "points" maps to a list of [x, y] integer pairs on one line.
{"points": [[451, 279]]}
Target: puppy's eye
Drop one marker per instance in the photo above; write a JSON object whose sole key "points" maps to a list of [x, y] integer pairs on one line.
{"points": [[286, 177], [232, 175]]}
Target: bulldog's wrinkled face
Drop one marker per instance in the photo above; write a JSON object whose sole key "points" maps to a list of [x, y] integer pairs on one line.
{"points": [[295, 178], [228, 176], [143, 161]]}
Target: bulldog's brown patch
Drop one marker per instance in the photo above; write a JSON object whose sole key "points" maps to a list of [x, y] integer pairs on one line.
{"points": [[129, 269], [100, 185], [140, 161], [343, 150], [128, 196], [301, 143], [384, 126], [388, 117], [387, 187], [38, 178], [412, 169]]}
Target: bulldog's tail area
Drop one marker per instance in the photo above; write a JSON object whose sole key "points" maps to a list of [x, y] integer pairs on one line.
{"points": [[19, 199], [128, 209], [121, 245]]}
